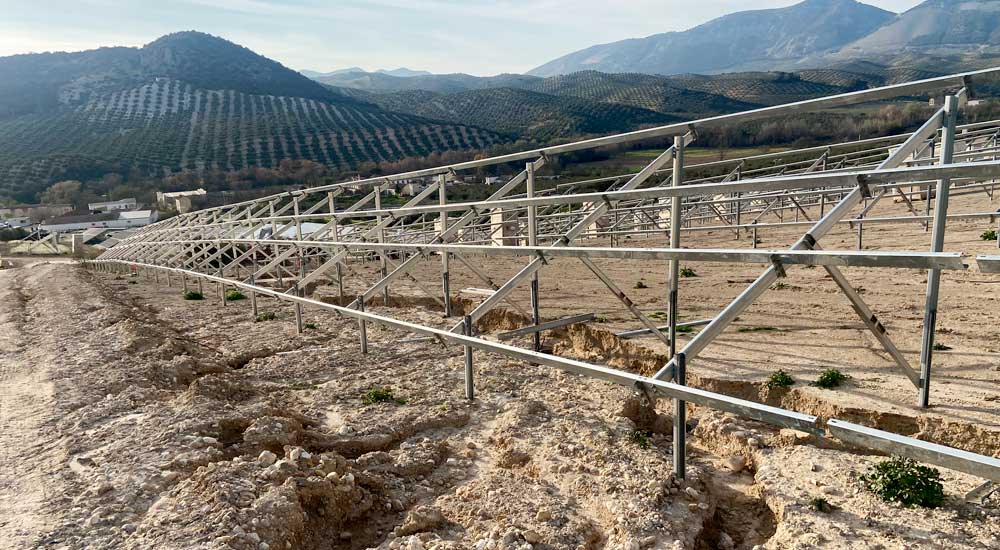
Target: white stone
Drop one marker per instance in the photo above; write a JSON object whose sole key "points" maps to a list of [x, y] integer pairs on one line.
{"points": [[266, 458]]}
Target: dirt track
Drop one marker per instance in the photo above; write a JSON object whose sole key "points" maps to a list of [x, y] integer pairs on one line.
{"points": [[134, 419]]}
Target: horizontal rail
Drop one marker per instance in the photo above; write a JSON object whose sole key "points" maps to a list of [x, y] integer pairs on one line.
{"points": [[932, 453], [749, 409], [840, 258], [644, 331], [922, 451], [549, 325], [988, 264]]}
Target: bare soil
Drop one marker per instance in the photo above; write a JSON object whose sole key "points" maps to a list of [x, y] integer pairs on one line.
{"points": [[131, 418]]}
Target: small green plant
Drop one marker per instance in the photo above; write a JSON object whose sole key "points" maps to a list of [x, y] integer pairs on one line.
{"points": [[779, 379], [310, 326], [820, 504], [685, 329], [193, 295], [641, 284], [990, 235], [265, 316], [904, 481], [640, 438], [232, 295], [687, 272], [381, 395], [780, 286], [756, 329], [938, 346], [829, 379]]}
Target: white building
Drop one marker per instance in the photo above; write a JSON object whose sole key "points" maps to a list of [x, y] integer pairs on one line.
{"points": [[179, 201], [113, 206], [106, 220]]}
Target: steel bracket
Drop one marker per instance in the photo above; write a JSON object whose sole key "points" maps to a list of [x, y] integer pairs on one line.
{"points": [[779, 268]]}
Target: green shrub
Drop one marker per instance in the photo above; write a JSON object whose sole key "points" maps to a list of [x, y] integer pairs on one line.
{"points": [[779, 379], [641, 284], [780, 286], [640, 438], [193, 295], [831, 378], [904, 481], [990, 235], [938, 346], [381, 395], [687, 272], [683, 329], [232, 295], [310, 326], [266, 316]]}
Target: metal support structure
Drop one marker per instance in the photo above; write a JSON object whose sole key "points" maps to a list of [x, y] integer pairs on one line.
{"points": [[223, 245], [680, 419], [470, 389], [675, 242], [937, 245], [536, 317], [445, 271]]}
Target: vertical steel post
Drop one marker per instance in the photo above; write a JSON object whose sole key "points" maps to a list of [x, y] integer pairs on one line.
{"points": [[529, 169], [253, 294], [470, 390], [445, 256], [861, 229], [222, 286], [680, 420], [674, 266], [340, 283], [298, 309], [363, 327], [937, 245], [381, 238]]}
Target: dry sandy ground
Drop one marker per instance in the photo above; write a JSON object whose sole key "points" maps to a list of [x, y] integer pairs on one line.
{"points": [[131, 418]]}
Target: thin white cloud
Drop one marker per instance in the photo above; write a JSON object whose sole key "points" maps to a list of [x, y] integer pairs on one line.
{"points": [[473, 36]]}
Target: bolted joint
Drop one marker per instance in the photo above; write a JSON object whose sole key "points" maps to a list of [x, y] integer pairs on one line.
{"points": [[779, 268], [864, 186]]}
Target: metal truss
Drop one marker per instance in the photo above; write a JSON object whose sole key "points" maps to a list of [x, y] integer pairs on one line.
{"points": [[285, 245]]}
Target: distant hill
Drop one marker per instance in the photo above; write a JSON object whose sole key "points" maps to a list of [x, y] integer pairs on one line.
{"points": [[732, 42], [443, 83], [190, 101], [316, 74], [400, 72], [524, 113], [686, 96], [403, 72], [937, 26]]}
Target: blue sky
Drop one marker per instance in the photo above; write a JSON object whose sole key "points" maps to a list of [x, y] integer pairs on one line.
{"points": [[473, 36]]}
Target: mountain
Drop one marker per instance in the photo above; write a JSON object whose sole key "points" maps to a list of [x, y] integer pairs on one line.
{"points": [[732, 42], [190, 101], [524, 113], [444, 83], [316, 74], [400, 72], [403, 72], [935, 26]]}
